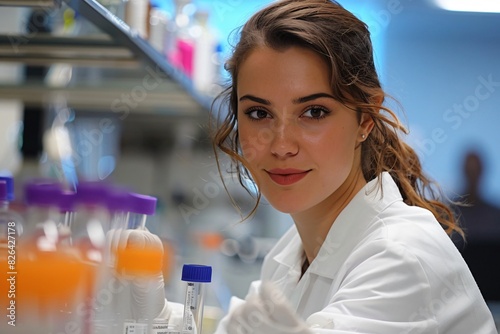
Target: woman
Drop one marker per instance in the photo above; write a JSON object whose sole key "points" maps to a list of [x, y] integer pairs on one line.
{"points": [[369, 251]]}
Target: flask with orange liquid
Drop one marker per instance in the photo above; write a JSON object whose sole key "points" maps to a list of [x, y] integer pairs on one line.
{"points": [[50, 274]]}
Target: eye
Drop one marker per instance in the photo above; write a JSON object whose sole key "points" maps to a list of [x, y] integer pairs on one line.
{"points": [[316, 112], [257, 114]]}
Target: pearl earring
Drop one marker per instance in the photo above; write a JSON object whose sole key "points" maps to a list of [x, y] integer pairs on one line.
{"points": [[363, 136]]}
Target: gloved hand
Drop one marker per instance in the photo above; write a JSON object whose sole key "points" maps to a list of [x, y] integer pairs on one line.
{"points": [[137, 258], [267, 312]]}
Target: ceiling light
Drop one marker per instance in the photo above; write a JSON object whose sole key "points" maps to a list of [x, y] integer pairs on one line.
{"points": [[483, 6]]}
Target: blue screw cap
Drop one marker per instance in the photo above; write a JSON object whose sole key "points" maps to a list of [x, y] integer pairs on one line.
{"points": [[10, 187], [196, 273]]}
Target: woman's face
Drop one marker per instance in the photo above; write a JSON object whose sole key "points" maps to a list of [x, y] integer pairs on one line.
{"points": [[300, 143]]}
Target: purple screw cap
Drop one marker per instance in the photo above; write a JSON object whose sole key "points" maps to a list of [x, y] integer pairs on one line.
{"points": [[142, 204], [92, 193], [118, 199], [67, 201], [42, 193]]}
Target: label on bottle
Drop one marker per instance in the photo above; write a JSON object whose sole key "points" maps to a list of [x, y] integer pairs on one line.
{"points": [[140, 328]]}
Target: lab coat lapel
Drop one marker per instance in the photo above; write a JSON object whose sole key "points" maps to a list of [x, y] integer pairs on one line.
{"points": [[352, 224]]}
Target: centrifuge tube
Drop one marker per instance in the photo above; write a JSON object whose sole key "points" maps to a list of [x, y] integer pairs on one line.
{"points": [[195, 275]]}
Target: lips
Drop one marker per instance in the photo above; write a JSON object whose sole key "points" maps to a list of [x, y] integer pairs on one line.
{"points": [[287, 176]]}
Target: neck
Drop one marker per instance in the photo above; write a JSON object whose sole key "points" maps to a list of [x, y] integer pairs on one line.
{"points": [[314, 224]]}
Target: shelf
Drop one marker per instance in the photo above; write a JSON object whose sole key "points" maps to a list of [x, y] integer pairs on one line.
{"points": [[120, 47], [46, 49], [120, 32], [29, 3], [114, 96]]}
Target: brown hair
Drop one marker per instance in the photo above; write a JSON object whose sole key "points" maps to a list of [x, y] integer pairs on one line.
{"points": [[343, 41]]}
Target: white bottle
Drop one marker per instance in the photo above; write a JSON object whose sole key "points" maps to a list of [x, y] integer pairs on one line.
{"points": [[157, 28], [137, 16], [205, 47]]}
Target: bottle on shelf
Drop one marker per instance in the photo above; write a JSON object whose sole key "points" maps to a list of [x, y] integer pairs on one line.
{"points": [[158, 21], [137, 15], [179, 42], [204, 59]]}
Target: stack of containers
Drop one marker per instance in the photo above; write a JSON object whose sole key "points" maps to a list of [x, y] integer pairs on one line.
{"points": [[75, 271]]}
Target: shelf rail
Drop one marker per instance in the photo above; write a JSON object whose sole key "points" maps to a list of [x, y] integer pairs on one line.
{"points": [[44, 49], [29, 3]]}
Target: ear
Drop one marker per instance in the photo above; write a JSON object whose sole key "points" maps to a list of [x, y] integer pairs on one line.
{"points": [[365, 126]]}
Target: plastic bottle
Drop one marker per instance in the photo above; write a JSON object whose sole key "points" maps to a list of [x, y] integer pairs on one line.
{"points": [[195, 276], [49, 301], [88, 232], [205, 48], [109, 320], [10, 226], [7, 214], [180, 44], [137, 15], [66, 204], [92, 220], [158, 20], [140, 207], [141, 263]]}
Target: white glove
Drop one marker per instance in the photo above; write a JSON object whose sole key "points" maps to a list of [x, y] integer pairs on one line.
{"points": [[146, 295], [267, 312]]}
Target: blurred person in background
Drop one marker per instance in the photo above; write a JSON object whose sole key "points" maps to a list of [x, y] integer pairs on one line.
{"points": [[370, 249], [480, 220]]}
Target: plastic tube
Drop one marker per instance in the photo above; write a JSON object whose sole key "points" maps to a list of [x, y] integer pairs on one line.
{"points": [[140, 207], [195, 275]]}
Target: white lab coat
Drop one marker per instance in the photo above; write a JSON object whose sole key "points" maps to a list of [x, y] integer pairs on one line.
{"points": [[385, 267]]}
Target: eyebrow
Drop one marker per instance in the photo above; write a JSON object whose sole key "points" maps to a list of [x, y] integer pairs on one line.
{"points": [[299, 100]]}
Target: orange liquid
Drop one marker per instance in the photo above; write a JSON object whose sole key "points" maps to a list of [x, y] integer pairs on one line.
{"points": [[52, 279], [139, 261]]}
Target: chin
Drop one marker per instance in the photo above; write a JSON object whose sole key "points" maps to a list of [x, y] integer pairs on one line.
{"points": [[284, 206]]}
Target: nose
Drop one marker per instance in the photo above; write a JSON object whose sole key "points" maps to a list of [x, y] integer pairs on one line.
{"points": [[284, 141]]}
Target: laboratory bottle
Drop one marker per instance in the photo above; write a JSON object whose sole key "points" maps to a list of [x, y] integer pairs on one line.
{"points": [[141, 261], [10, 226], [140, 208], [110, 320], [137, 16], [195, 276], [182, 55], [205, 48], [158, 21], [66, 205], [50, 274], [88, 233], [11, 222], [117, 204], [92, 220]]}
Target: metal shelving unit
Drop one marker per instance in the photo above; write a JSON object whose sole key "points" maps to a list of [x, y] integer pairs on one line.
{"points": [[118, 47]]}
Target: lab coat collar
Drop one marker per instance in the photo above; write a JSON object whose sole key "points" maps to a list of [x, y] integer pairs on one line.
{"points": [[347, 230]]}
